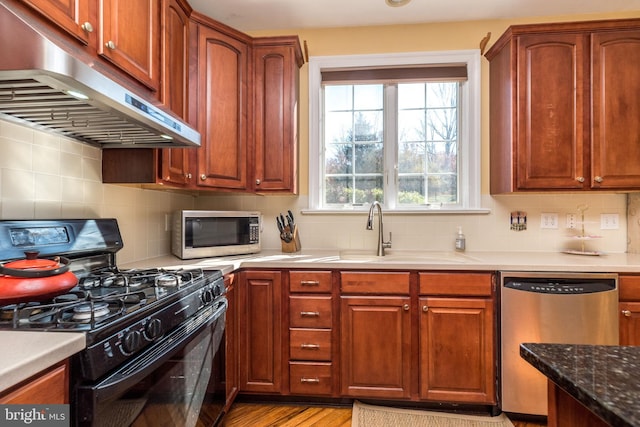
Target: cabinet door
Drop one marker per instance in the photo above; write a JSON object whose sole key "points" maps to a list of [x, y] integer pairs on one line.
{"points": [[376, 347], [223, 65], [457, 350], [130, 38], [551, 111], [70, 15], [261, 335], [616, 109], [629, 323], [276, 115], [48, 387], [174, 163]]}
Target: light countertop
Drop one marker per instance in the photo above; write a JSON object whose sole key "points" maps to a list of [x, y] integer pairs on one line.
{"points": [[29, 352], [410, 260]]}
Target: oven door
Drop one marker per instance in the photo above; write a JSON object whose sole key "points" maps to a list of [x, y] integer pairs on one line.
{"points": [[176, 382]]}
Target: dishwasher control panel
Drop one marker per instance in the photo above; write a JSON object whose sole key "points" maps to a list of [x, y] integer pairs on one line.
{"points": [[583, 284]]}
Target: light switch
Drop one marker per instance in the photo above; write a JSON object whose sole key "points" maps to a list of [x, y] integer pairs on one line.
{"points": [[609, 221]]}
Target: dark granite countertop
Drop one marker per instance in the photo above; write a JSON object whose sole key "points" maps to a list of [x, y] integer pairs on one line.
{"points": [[605, 379]]}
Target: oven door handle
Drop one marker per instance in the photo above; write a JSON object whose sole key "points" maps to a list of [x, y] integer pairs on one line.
{"points": [[136, 370]]}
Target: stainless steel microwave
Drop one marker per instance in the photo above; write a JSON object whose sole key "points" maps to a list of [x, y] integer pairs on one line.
{"points": [[203, 234]]}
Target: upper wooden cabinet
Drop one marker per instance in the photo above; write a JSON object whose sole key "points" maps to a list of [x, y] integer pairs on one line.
{"points": [[130, 37], [221, 92], [71, 15], [563, 110], [276, 63], [125, 33]]}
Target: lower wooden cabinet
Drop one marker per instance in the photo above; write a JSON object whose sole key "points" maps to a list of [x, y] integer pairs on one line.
{"points": [[260, 346], [629, 309], [375, 349], [397, 335], [48, 387], [457, 350]]}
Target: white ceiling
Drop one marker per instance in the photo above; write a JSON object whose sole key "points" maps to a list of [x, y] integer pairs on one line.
{"points": [[254, 15]]}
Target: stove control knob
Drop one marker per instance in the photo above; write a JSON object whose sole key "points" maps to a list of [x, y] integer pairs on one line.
{"points": [[153, 329], [131, 341], [207, 296]]}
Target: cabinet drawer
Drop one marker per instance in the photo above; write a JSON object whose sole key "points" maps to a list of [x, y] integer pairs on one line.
{"points": [[50, 387], [310, 378], [310, 311], [629, 288], [374, 282], [310, 344], [467, 284], [310, 281]]}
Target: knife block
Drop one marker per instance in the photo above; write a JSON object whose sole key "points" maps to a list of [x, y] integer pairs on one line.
{"points": [[294, 244]]}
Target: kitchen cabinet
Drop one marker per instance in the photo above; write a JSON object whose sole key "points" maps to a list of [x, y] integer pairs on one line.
{"points": [[260, 323], [376, 344], [311, 333], [49, 387], [124, 33], [73, 16], [129, 37], [276, 62], [563, 114], [629, 309], [171, 166], [457, 338], [220, 91]]}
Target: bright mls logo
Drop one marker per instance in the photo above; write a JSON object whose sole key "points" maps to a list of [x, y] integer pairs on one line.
{"points": [[34, 415]]}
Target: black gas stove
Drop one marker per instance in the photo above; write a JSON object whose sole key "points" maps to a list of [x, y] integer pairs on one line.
{"points": [[121, 311]]}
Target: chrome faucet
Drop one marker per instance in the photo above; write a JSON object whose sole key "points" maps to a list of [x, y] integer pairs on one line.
{"points": [[381, 243]]}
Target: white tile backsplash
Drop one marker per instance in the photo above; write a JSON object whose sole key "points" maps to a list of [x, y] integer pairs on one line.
{"points": [[47, 176]]}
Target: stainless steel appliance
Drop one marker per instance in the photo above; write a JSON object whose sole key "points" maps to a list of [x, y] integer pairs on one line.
{"points": [[153, 335], [202, 233], [572, 308], [45, 85]]}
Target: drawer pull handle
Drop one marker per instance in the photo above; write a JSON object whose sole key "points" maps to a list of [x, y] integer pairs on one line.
{"points": [[310, 313], [310, 346], [310, 380], [309, 283]]}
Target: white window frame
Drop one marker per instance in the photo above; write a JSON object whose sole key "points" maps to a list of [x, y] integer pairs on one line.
{"points": [[469, 155]]}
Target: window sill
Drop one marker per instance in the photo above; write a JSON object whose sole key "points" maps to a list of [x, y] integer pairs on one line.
{"points": [[360, 211]]}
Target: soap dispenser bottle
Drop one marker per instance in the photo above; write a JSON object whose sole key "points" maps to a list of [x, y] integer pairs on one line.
{"points": [[460, 240]]}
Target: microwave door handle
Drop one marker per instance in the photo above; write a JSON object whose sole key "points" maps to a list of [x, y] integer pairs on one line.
{"points": [[154, 357]]}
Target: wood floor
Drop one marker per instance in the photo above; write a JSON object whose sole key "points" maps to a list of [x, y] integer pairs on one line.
{"points": [[260, 415]]}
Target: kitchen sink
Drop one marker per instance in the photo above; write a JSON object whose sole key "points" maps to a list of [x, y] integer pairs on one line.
{"points": [[421, 257]]}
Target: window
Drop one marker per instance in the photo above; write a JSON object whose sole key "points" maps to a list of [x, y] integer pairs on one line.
{"points": [[399, 129]]}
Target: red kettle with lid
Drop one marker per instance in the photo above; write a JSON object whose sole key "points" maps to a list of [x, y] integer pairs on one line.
{"points": [[35, 279]]}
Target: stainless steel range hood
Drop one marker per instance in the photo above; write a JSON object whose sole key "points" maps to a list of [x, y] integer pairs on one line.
{"points": [[39, 89]]}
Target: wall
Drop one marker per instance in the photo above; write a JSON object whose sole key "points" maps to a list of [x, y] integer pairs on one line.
{"points": [[45, 176]]}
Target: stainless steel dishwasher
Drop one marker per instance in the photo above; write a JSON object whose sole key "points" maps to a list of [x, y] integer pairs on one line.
{"points": [[572, 308]]}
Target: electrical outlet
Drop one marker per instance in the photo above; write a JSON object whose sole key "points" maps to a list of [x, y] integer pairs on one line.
{"points": [[549, 220], [609, 221], [571, 220]]}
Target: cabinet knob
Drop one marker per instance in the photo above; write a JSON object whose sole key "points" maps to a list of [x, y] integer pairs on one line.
{"points": [[425, 308], [187, 175], [167, 178], [110, 45], [87, 27], [258, 181], [598, 179], [626, 313], [203, 177], [405, 307], [580, 179]]}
